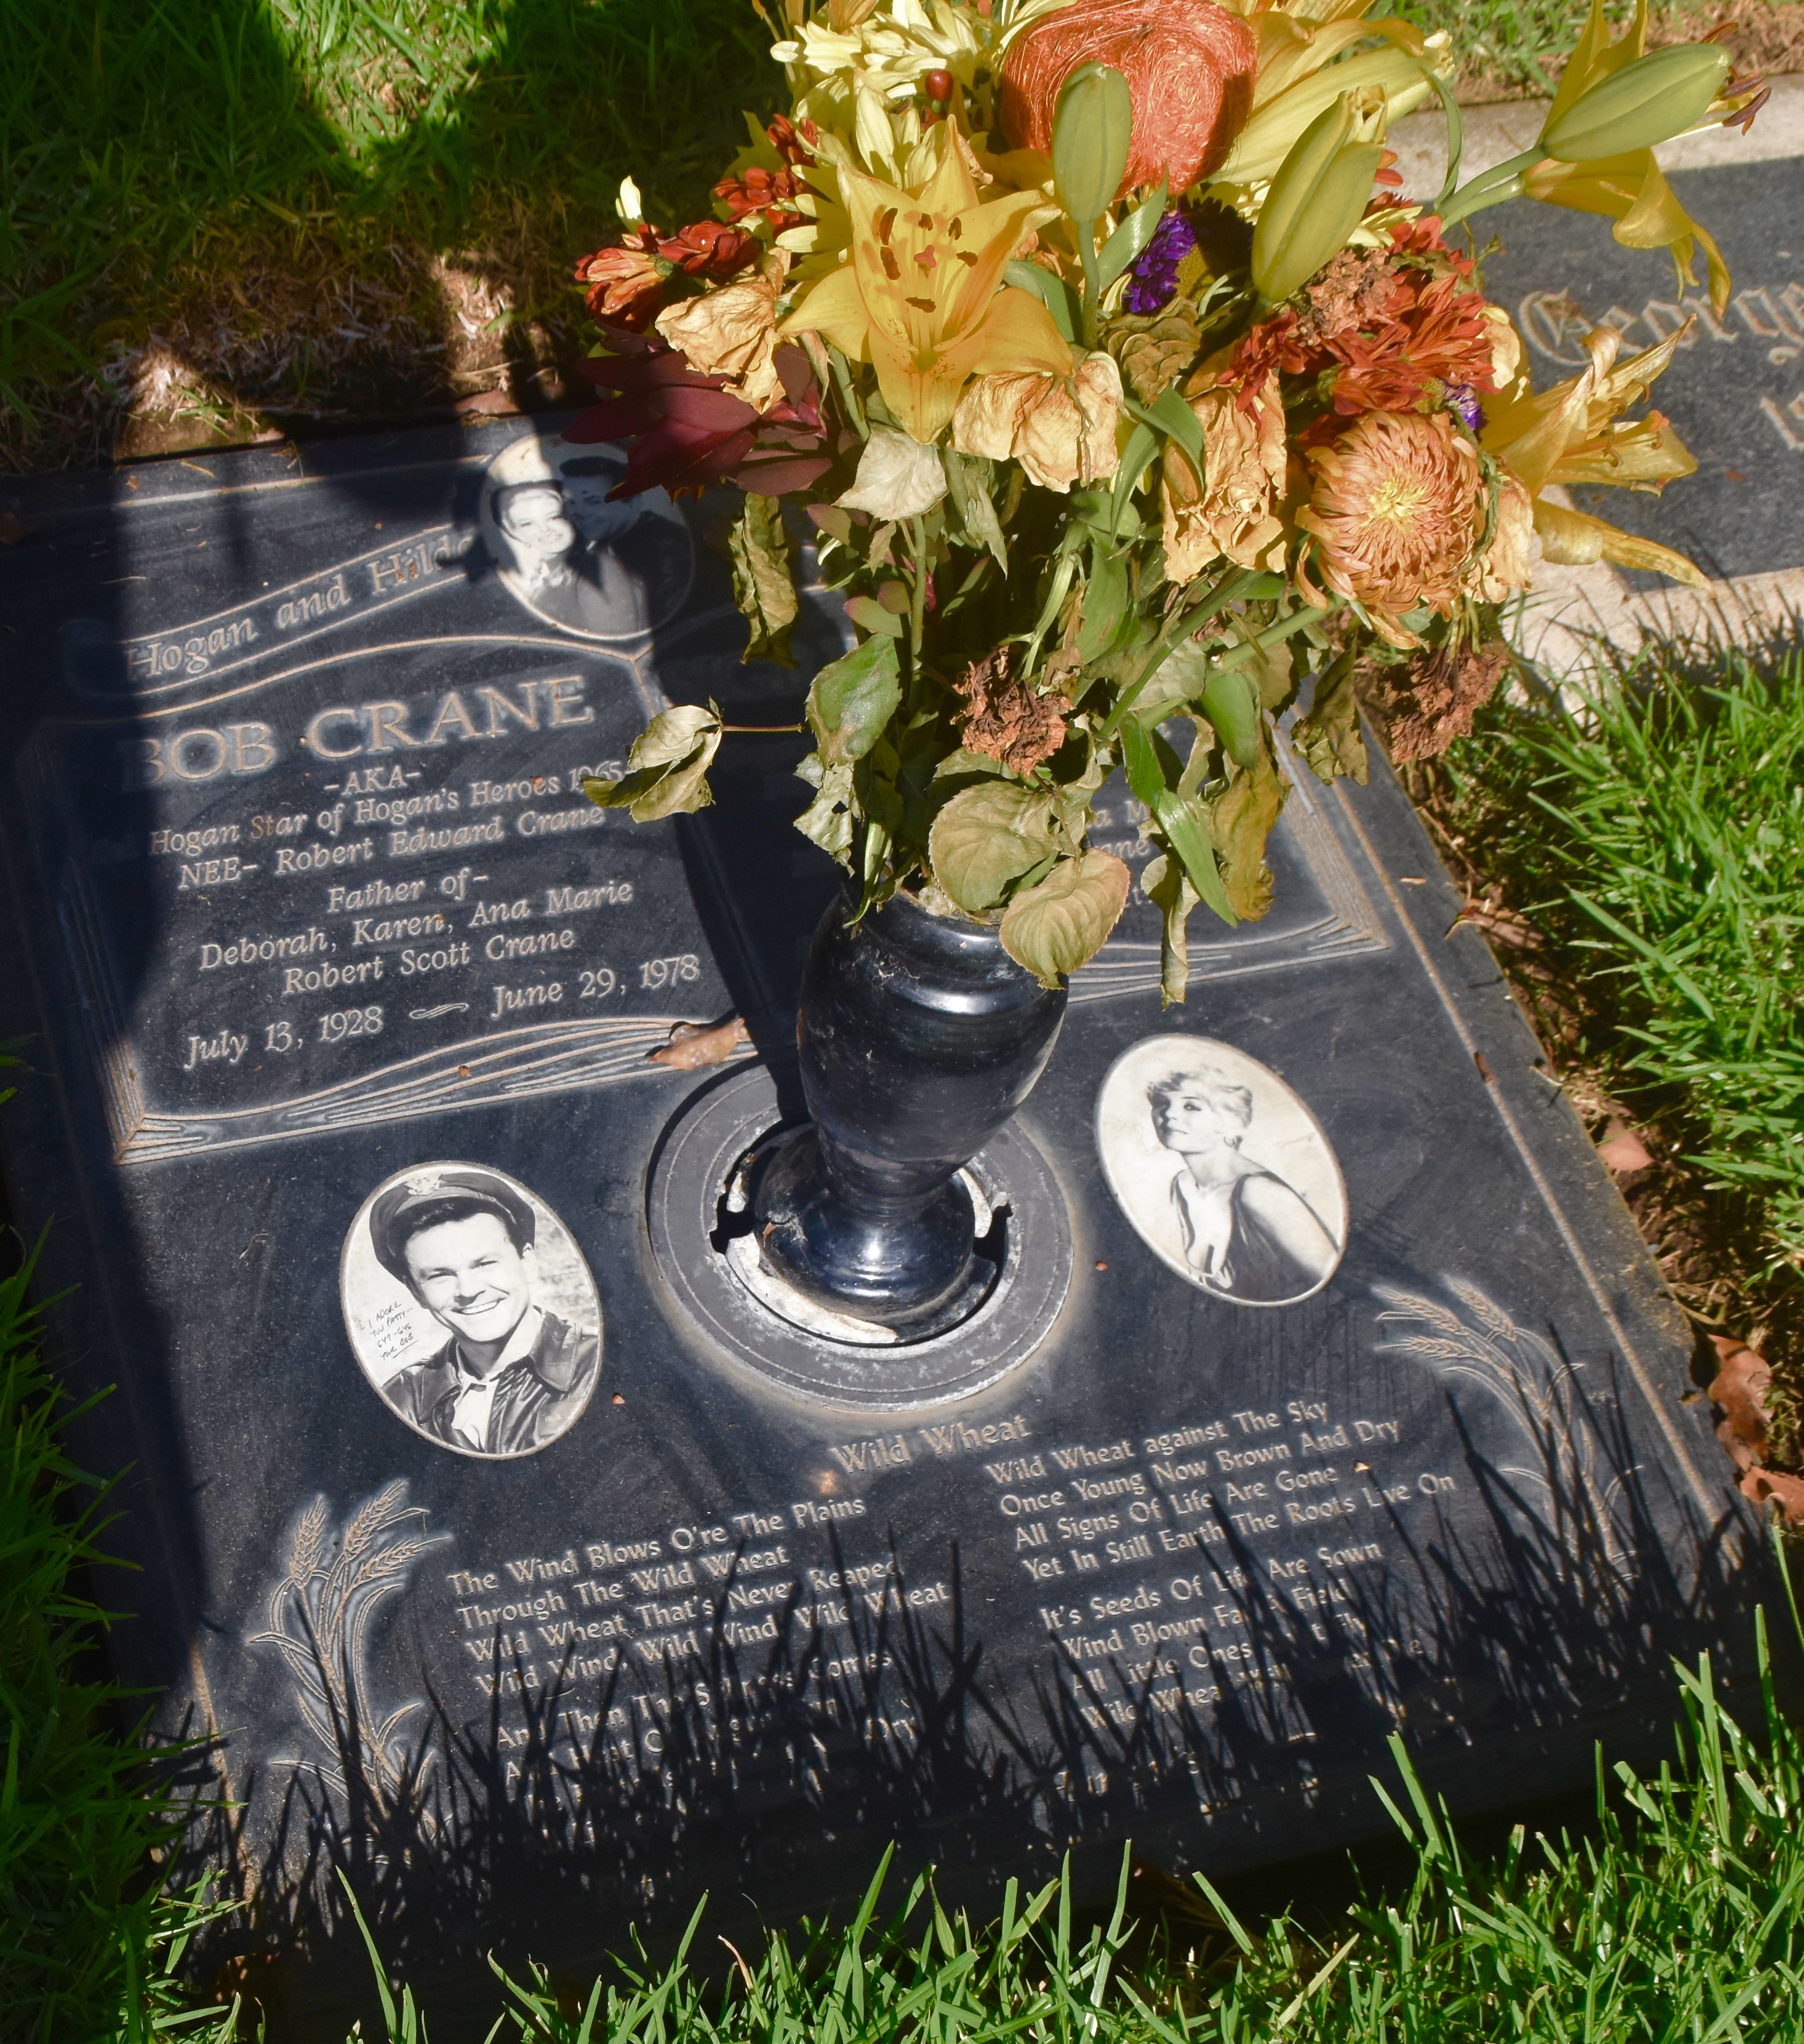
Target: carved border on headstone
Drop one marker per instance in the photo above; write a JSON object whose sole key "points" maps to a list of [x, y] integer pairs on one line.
{"points": [[558, 1057], [1349, 923]]}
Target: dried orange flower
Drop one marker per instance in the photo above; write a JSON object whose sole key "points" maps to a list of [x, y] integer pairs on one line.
{"points": [[1004, 718], [1397, 509]]}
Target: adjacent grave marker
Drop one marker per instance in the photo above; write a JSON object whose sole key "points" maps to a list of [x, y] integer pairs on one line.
{"points": [[338, 997], [1736, 388]]}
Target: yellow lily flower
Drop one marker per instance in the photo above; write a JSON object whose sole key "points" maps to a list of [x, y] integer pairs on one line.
{"points": [[919, 298], [856, 70], [1575, 433], [1299, 77], [1630, 190]]}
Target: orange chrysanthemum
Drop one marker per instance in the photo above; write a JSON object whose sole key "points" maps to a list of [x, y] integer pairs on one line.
{"points": [[1397, 508], [1395, 333]]}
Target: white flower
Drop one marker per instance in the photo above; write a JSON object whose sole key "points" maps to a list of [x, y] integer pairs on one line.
{"points": [[897, 477]]}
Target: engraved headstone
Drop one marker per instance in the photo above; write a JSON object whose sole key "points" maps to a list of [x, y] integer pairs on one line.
{"points": [[1324, 1390], [1736, 388]]}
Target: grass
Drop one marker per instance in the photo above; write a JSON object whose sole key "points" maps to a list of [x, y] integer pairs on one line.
{"points": [[1680, 1916], [153, 152], [356, 206], [75, 1923], [1656, 836]]}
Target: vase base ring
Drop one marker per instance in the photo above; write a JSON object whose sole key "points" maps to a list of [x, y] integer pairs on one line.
{"points": [[706, 1252]]}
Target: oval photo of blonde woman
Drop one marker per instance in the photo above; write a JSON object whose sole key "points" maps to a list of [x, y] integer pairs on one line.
{"points": [[1224, 1173], [471, 1309]]}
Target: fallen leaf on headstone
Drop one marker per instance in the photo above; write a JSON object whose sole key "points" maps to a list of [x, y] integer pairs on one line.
{"points": [[1740, 1388], [12, 529], [1622, 1149], [1786, 1492], [694, 1044]]}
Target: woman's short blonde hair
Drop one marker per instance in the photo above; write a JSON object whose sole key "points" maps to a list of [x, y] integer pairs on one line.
{"points": [[1228, 1097]]}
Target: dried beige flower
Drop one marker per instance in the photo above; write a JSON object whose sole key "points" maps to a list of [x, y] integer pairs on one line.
{"points": [[1233, 512], [1060, 429], [897, 477], [733, 331], [1502, 569]]}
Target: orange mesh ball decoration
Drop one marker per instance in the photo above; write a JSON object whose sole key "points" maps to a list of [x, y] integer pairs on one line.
{"points": [[1189, 66]]}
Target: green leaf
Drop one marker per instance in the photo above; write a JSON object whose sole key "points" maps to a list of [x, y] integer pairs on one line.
{"points": [[1180, 818], [1105, 598], [852, 699], [1173, 418], [1328, 739], [1166, 884], [668, 766], [1092, 125], [1141, 763], [1230, 702], [1143, 444], [965, 480], [1184, 824], [1240, 820], [869, 614], [764, 582], [986, 838], [1052, 292], [829, 818], [1059, 925], [1131, 239]]}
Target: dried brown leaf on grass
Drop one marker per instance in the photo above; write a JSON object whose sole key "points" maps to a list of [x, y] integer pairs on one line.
{"points": [[1706, 1241], [1739, 1387]]}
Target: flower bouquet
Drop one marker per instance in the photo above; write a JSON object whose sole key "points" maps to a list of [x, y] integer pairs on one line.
{"points": [[1120, 388]]}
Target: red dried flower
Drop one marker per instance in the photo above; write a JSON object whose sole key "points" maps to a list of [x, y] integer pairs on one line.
{"points": [[1430, 331], [1389, 327], [687, 431], [626, 281], [762, 194]]}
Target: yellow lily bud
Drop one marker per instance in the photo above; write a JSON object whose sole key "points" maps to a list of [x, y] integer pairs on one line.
{"points": [[1091, 130], [1647, 102], [1316, 199]]}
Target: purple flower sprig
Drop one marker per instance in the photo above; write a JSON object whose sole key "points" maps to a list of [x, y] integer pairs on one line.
{"points": [[1461, 400], [1152, 278]]}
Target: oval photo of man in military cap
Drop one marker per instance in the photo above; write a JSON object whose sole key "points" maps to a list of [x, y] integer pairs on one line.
{"points": [[471, 1309]]}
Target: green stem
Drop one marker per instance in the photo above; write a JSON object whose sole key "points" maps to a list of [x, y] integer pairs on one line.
{"points": [[918, 603], [1179, 627], [757, 730], [848, 397], [1092, 281], [1491, 187]]}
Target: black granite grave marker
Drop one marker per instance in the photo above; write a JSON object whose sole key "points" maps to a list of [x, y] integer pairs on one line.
{"points": [[337, 997], [1736, 387]]}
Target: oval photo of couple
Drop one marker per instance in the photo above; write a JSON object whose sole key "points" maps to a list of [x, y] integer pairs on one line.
{"points": [[572, 555], [1224, 1173]]}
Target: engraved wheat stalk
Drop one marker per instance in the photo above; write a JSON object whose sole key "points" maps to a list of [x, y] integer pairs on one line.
{"points": [[320, 1611], [1537, 1388]]}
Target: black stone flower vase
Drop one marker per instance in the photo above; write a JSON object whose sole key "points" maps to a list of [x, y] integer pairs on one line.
{"points": [[920, 1036]]}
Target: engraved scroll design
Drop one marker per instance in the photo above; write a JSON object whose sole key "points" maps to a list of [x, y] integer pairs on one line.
{"points": [[320, 1614], [1539, 1390]]}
